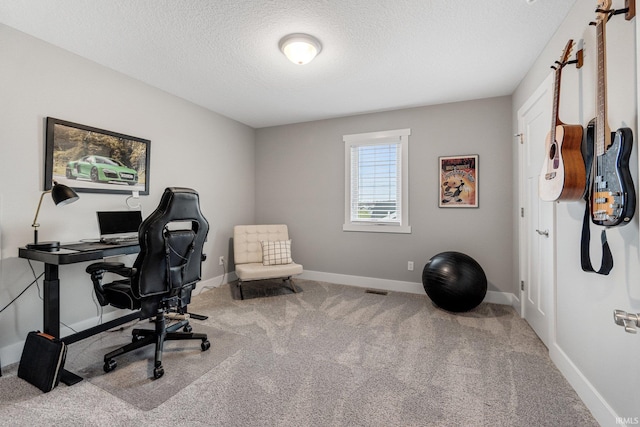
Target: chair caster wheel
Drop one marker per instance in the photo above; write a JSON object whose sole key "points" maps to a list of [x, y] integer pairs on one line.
{"points": [[187, 328], [158, 372], [109, 365], [205, 345]]}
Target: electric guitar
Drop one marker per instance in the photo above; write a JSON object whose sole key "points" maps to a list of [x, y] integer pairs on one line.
{"points": [[563, 175], [612, 195]]}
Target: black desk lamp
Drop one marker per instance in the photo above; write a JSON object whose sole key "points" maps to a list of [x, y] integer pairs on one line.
{"points": [[61, 195]]}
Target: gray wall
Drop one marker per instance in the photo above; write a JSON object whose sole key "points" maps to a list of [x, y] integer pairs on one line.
{"points": [[190, 146], [300, 182], [599, 359]]}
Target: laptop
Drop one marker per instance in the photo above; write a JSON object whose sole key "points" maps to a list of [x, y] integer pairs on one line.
{"points": [[118, 227]]}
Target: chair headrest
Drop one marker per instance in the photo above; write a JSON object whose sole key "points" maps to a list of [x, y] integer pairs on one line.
{"points": [[177, 205]]}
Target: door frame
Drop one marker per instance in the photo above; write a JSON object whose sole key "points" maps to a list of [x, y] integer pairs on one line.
{"points": [[524, 243]]}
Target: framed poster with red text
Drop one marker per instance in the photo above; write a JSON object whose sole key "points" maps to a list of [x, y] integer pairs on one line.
{"points": [[458, 181]]}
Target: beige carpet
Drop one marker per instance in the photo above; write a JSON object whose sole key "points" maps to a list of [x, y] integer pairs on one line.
{"points": [[328, 356]]}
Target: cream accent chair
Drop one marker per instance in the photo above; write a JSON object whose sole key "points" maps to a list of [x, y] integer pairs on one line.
{"points": [[248, 259]]}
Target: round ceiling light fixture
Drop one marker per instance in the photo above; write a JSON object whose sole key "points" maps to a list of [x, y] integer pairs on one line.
{"points": [[300, 48]]}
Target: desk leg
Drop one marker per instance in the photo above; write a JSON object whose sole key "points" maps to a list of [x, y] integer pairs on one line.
{"points": [[51, 300], [52, 314]]}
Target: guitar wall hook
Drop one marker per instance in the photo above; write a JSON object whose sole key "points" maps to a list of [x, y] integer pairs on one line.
{"points": [[579, 61], [629, 11]]}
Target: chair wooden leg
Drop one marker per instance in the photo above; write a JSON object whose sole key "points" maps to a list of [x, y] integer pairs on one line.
{"points": [[240, 288], [291, 284]]}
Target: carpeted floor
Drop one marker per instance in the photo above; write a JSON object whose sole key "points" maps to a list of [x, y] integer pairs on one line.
{"points": [[328, 356], [131, 381]]}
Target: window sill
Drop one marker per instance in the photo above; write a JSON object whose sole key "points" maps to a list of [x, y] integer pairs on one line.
{"points": [[400, 229]]}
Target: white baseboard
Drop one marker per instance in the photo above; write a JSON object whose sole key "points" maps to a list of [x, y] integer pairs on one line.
{"points": [[364, 282], [214, 282], [600, 409], [497, 297], [493, 297], [11, 353], [517, 304]]}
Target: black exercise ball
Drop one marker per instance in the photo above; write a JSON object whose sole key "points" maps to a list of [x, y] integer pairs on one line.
{"points": [[454, 281]]}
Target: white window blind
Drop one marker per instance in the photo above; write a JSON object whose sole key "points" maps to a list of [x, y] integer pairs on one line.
{"points": [[375, 187], [376, 184]]}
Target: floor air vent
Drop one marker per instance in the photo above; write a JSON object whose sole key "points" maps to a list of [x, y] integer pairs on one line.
{"points": [[377, 292]]}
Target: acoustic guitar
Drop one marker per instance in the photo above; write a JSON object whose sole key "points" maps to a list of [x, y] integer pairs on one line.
{"points": [[612, 195], [563, 175]]}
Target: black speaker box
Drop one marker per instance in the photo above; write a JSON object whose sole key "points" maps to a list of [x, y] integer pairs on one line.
{"points": [[42, 360]]}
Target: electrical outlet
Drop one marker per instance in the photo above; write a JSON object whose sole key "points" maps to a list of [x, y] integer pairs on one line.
{"points": [[221, 260], [410, 265]]}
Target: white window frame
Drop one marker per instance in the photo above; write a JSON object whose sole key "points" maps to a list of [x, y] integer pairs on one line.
{"points": [[400, 136]]}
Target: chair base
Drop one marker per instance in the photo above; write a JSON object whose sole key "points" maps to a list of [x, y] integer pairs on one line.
{"points": [[143, 337]]}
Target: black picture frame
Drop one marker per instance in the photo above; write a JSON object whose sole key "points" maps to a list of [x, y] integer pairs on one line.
{"points": [[94, 160]]}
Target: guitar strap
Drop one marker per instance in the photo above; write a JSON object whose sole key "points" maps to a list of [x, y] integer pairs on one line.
{"points": [[585, 260]]}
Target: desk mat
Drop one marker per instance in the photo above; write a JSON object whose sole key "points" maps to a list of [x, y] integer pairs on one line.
{"points": [[85, 246], [93, 246], [132, 381]]}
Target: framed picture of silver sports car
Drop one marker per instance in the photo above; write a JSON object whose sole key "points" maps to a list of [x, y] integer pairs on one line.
{"points": [[95, 160]]}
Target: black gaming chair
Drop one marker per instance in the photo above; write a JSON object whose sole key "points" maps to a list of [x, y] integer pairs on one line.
{"points": [[162, 277]]}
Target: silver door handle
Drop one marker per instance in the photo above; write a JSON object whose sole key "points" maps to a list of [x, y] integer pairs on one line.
{"points": [[630, 321], [543, 233]]}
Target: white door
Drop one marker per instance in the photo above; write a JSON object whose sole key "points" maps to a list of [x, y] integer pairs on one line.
{"points": [[537, 226]]}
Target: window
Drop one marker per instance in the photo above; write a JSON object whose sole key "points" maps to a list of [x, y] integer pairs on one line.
{"points": [[376, 181]]}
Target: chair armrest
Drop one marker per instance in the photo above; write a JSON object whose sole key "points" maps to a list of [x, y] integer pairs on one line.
{"points": [[110, 267], [97, 270]]}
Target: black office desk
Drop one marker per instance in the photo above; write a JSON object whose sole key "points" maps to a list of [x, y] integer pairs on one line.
{"points": [[52, 260]]}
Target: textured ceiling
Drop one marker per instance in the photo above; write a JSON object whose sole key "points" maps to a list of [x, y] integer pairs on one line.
{"points": [[377, 54]]}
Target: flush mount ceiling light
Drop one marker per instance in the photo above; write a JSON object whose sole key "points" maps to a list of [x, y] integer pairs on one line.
{"points": [[300, 48]]}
